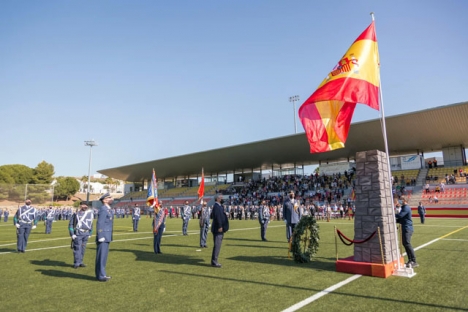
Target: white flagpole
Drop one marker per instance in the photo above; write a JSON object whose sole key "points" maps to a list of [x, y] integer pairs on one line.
{"points": [[400, 271]]}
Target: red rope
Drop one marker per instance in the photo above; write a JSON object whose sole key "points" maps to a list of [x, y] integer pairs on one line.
{"points": [[351, 241]]}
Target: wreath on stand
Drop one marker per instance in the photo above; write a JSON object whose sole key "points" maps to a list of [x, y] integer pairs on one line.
{"points": [[305, 240]]}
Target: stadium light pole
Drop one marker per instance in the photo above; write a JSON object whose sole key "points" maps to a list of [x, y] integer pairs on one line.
{"points": [[90, 143], [294, 99]]}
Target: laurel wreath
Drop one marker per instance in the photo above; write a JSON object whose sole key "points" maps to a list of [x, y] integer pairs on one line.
{"points": [[305, 240]]}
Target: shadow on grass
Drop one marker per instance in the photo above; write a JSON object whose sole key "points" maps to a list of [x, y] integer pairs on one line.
{"points": [[48, 262], [8, 249], [56, 273], [285, 261], [164, 258], [258, 246], [314, 290], [252, 240]]}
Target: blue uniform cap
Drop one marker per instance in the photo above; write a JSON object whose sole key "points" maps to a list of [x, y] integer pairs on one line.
{"points": [[104, 196]]}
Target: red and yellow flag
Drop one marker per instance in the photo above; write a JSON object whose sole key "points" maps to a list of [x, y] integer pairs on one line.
{"points": [[201, 188], [326, 115]]}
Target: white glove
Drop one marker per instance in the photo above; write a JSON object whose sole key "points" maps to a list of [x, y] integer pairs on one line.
{"points": [[33, 227], [17, 225], [101, 240], [73, 236]]}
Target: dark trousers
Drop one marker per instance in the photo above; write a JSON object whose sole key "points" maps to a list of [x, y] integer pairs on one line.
{"points": [[79, 247], [423, 217], [290, 230], [23, 235], [204, 233], [102, 251], [217, 241], [135, 224], [263, 228], [48, 226], [157, 239], [185, 225], [406, 240]]}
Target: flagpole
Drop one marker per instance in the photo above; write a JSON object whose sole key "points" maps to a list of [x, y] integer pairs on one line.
{"points": [[387, 154]]}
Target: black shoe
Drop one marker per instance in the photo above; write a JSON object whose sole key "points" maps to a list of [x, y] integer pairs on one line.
{"points": [[83, 265], [205, 246], [216, 265], [159, 252], [414, 264], [265, 240], [104, 279], [76, 266]]}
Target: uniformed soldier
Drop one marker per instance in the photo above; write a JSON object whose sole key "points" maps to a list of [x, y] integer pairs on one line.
{"points": [[81, 228], [264, 219], [104, 225], [159, 225], [50, 216], [6, 213], [136, 217], [290, 214], [186, 213], [204, 224], [25, 220]]}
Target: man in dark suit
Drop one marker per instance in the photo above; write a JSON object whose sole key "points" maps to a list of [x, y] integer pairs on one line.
{"points": [[422, 212], [219, 220], [291, 214], [104, 226]]}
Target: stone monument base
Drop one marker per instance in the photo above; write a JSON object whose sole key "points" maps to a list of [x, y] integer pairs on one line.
{"points": [[348, 265]]}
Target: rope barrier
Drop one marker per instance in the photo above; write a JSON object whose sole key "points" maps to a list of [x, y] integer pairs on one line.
{"points": [[351, 241]]}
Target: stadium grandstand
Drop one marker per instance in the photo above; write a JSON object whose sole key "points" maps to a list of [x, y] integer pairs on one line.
{"points": [[239, 171]]}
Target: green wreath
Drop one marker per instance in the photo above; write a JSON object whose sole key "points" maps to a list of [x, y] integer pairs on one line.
{"points": [[305, 240]]}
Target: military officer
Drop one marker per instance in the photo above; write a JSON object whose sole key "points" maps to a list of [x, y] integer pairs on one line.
{"points": [[204, 224], [136, 217], [81, 228], [25, 220], [104, 225], [159, 225], [186, 213], [50, 216], [264, 219]]}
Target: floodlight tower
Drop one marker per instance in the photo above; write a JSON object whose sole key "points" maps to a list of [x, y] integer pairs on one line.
{"points": [[90, 143], [294, 99]]}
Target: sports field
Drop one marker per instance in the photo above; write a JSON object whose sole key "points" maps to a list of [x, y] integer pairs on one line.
{"points": [[256, 275]]}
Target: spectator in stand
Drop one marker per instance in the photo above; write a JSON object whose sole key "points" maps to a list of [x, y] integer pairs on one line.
{"points": [[436, 200], [437, 189], [429, 164], [442, 187], [434, 162], [427, 188]]}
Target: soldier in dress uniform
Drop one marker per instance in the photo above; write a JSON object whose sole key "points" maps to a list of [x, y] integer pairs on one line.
{"points": [[104, 226], [204, 224], [81, 228], [6, 213], [159, 225], [186, 213], [25, 220], [264, 219], [136, 217], [50, 216]]}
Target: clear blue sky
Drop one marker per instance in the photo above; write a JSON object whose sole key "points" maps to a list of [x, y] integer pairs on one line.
{"points": [[155, 79]]}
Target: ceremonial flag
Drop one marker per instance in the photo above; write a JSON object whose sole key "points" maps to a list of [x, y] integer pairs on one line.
{"points": [[326, 115], [152, 196], [201, 188], [353, 195]]}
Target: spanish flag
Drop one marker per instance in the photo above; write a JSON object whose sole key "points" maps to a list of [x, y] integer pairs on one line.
{"points": [[152, 195], [201, 188], [326, 115]]}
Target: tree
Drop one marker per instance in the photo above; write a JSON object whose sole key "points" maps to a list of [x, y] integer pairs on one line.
{"points": [[66, 187], [43, 173], [21, 174], [5, 177]]}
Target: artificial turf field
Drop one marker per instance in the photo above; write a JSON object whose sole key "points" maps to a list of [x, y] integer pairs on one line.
{"points": [[256, 275]]}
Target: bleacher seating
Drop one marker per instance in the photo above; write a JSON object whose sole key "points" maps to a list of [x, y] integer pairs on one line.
{"points": [[408, 176], [450, 196], [439, 173]]}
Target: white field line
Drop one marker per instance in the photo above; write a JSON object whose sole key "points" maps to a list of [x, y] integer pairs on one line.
{"points": [[119, 240], [330, 289]]}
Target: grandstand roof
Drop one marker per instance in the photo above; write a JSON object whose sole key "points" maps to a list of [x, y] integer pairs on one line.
{"points": [[427, 130]]}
